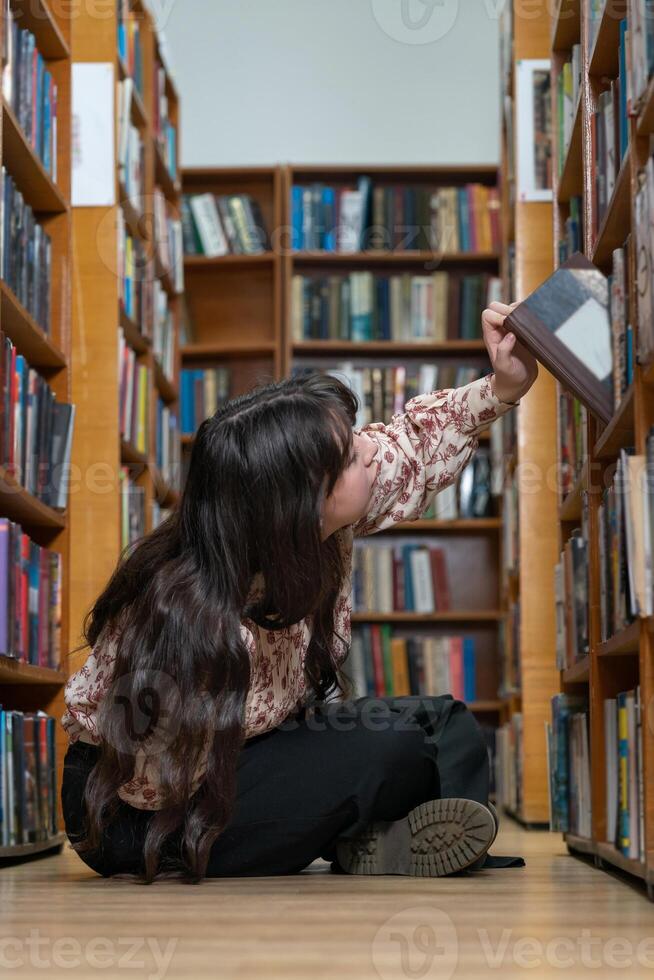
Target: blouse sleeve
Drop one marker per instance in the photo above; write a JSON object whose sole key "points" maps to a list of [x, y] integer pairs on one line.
{"points": [[424, 448], [85, 689]]}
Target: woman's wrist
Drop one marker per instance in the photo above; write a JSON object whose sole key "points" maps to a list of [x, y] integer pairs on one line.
{"points": [[507, 398]]}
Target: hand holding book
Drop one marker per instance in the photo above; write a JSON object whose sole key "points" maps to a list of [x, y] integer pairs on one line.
{"points": [[514, 366]]}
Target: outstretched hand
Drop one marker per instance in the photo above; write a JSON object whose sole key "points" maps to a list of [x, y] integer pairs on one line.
{"points": [[515, 368]]}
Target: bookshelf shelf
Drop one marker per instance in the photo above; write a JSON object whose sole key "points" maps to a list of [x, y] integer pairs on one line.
{"points": [[395, 348], [443, 526], [194, 262], [578, 673], [38, 18], [617, 220], [228, 350], [16, 672], [164, 179], [627, 641], [165, 386], [582, 844], [22, 162], [572, 174], [26, 334], [130, 454], [485, 706], [620, 430], [570, 509], [138, 110], [565, 27], [133, 335], [21, 506], [36, 847], [610, 854], [382, 257], [603, 60], [456, 616]]}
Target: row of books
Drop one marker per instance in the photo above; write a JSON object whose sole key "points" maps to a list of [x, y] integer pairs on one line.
{"points": [[573, 230], [29, 89], [634, 483], [609, 136], [30, 598], [163, 334], [383, 391], [131, 148], [202, 391], [133, 396], [643, 205], [510, 664], [640, 60], [165, 130], [622, 333], [28, 777], [395, 218], [400, 578], [571, 598], [615, 577], [132, 509], [369, 306], [568, 84], [383, 665], [135, 282], [568, 758], [25, 253], [222, 224], [573, 440], [625, 790], [35, 429], [167, 445], [169, 241], [508, 764], [129, 43]]}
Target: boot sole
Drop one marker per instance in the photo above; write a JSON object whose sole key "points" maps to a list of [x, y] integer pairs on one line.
{"points": [[437, 838]]}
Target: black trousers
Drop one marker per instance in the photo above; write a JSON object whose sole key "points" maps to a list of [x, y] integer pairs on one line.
{"points": [[321, 775]]}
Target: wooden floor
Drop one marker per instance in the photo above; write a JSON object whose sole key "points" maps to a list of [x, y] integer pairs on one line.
{"points": [[558, 916]]}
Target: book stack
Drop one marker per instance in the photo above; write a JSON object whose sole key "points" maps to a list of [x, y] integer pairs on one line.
{"points": [[131, 148], [163, 335], [223, 224], [25, 254], [568, 88], [167, 445], [133, 398], [165, 131], [623, 742], [132, 509], [168, 240], [381, 664], [29, 89], [568, 758], [571, 595], [202, 392], [30, 598], [369, 306], [395, 218], [136, 283], [35, 429], [573, 440], [129, 43], [28, 777], [384, 391]]}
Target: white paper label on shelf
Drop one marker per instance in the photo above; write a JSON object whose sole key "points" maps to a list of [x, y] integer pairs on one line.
{"points": [[93, 142]]}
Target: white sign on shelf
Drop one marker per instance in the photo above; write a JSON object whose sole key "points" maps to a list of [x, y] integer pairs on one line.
{"points": [[93, 141]]}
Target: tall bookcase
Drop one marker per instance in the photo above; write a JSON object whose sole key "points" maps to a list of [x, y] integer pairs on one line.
{"points": [[472, 546], [25, 687], [99, 312], [530, 676], [626, 658]]}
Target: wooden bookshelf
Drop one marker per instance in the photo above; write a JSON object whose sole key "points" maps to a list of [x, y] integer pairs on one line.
{"points": [[468, 538], [23, 686], [99, 449], [530, 677], [625, 659]]}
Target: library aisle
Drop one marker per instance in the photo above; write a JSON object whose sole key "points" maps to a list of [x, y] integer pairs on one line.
{"points": [[555, 917]]}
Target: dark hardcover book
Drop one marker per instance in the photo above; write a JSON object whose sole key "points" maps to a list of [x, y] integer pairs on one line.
{"points": [[566, 325]]}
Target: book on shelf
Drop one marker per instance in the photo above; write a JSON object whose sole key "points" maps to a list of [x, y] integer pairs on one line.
{"points": [[508, 764], [400, 578], [569, 765], [634, 476], [565, 323], [640, 58], [571, 594], [132, 509], [643, 209], [131, 148], [616, 603], [35, 429], [365, 305], [222, 224], [383, 391], [168, 240], [28, 777], [165, 130], [25, 254], [163, 334], [133, 396], [573, 441], [129, 43], [159, 513], [568, 87], [29, 89], [364, 216], [136, 294], [167, 445], [202, 392], [30, 599], [573, 230], [381, 664], [624, 773]]}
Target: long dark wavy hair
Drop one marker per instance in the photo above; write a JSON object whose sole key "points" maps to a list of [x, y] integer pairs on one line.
{"points": [[259, 471]]}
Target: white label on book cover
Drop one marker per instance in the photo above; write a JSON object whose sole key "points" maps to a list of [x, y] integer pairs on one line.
{"points": [[93, 153], [586, 333]]}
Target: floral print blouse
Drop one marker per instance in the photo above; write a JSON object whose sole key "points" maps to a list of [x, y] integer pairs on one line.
{"points": [[423, 450]]}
